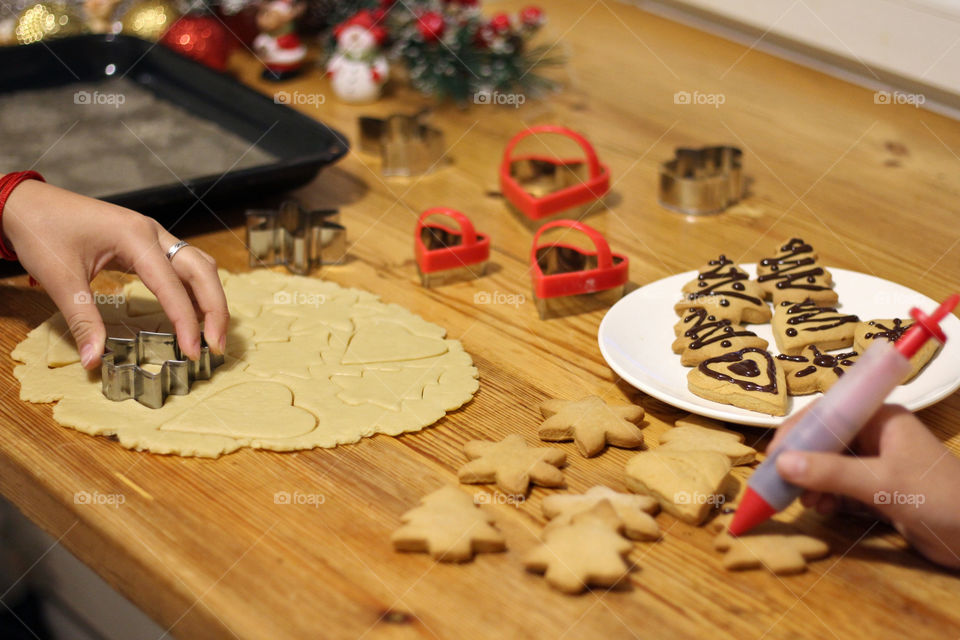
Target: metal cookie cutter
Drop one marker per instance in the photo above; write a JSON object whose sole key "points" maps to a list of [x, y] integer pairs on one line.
{"points": [[447, 254], [701, 181], [295, 237], [569, 279], [124, 376], [406, 145]]}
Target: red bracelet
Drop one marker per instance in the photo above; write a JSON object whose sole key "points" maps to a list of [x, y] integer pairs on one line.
{"points": [[8, 183]]}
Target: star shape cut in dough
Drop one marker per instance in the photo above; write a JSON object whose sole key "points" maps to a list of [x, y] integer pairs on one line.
{"points": [[512, 465], [591, 423]]}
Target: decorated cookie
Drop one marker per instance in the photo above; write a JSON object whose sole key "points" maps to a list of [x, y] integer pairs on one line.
{"points": [[773, 546], [797, 325], [794, 274], [449, 526], [749, 379], [696, 433], [591, 423], [512, 465], [866, 332], [633, 510], [586, 552], [813, 370], [701, 336], [726, 292], [687, 484]]}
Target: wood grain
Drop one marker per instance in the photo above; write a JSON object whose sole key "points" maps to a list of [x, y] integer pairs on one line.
{"points": [[204, 549]]}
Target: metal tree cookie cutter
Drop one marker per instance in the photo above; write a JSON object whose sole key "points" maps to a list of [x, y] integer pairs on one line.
{"points": [[295, 237], [701, 181], [569, 279], [124, 376], [542, 185], [447, 254], [406, 145]]}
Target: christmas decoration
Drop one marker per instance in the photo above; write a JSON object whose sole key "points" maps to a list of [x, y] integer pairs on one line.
{"points": [[46, 20], [200, 37], [357, 69], [148, 19], [99, 14], [278, 44], [240, 21]]}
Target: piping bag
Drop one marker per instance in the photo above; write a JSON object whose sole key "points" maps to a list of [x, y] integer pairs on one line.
{"points": [[836, 418]]}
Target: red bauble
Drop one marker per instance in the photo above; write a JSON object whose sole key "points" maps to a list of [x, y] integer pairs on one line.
{"points": [[500, 22], [430, 25], [202, 38], [531, 16], [241, 25]]}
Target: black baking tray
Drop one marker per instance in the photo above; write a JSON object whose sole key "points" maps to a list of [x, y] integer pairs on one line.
{"points": [[301, 145]]}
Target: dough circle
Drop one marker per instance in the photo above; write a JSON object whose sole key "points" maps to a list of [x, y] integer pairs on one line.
{"points": [[308, 364]]}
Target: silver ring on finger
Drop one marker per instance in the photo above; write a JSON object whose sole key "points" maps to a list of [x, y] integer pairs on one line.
{"points": [[172, 251]]}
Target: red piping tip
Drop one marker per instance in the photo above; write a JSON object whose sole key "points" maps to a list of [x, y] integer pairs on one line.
{"points": [[752, 511]]}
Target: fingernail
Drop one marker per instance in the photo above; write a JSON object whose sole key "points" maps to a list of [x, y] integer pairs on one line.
{"points": [[223, 343], [792, 464], [87, 355]]}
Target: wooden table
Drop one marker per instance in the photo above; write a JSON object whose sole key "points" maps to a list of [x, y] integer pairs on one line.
{"points": [[203, 549]]}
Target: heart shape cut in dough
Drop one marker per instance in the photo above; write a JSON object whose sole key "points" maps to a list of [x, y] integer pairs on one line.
{"points": [[390, 342], [246, 410], [749, 378]]}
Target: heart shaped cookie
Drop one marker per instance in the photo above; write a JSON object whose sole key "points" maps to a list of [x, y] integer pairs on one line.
{"points": [[749, 378]]}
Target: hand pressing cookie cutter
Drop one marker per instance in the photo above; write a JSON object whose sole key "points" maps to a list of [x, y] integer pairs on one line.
{"points": [[701, 181], [447, 254], [540, 186], [123, 376], [292, 236], [568, 279], [406, 145]]}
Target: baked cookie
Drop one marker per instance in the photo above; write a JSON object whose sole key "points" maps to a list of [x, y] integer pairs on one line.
{"points": [[797, 325], [750, 379], [591, 423], [813, 370], [512, 465], [687, 484], [773, 546], [449, 526], [866, 332], [633, 510], [701, 335], [793, 273], [696, 433], [725, 291]]}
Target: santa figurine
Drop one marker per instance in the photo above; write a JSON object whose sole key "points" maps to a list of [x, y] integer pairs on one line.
{"points": [[278, 44], [358, 69]]}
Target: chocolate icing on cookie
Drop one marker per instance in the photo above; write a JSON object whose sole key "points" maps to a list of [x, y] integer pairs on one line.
{"points": [[707, 330], [795, 262], [809, 317], [821, 361], [740, 367], [715, 281], [890, 333]]}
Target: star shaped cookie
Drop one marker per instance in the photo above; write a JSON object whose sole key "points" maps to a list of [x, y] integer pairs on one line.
{"points": [[773, 546], [634, 511], [591, 423], [512, 465]]}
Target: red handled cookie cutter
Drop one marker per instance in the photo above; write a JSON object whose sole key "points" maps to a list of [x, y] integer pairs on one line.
{"points": [[444, 253], [540, 185], [570, 279]]}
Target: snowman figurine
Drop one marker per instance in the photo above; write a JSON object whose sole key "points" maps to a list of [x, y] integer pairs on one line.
{"points": [[358, 69]]}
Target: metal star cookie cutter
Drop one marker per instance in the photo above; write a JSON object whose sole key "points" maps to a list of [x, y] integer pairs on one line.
{"points": [[123, 376], [406, 145], [295, 237], [701, 181]]}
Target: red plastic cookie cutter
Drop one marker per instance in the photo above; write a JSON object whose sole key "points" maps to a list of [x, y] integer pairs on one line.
{"points": [[570, 279], [541, 185], [446, 253]]}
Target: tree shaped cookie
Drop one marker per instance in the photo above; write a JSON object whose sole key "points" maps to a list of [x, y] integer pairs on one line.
{"points": [[701, 335], [725, 291], [797, 325], [773, 546], [512, 465], [586, 552], [687, 484], [750, 378], [591, 423], [794, 273], [866, 332], [633, 510], [813, 370], [695, 433], [448, 526]]}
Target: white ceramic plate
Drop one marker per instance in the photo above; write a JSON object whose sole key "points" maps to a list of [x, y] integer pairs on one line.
{"points": [[636, 334]]}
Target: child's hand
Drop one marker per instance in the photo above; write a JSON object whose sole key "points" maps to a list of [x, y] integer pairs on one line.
{"points": [[63, 240], [899, 470]]}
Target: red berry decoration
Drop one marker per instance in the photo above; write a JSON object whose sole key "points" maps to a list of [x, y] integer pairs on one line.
{"points": [[531, 16], [430, 25], [500, 22], [202, 38]]}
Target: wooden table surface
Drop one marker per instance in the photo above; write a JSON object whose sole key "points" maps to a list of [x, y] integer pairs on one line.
{"points": [[201, 546]]}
